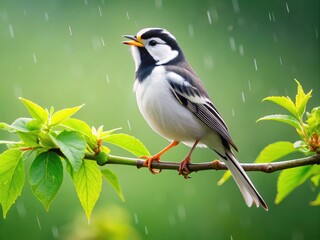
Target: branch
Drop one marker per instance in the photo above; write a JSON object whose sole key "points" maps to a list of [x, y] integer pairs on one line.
{"points": [[214, 165]]}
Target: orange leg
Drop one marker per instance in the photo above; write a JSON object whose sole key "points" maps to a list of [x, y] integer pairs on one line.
{"points": [[157, 156], [183, 168]]}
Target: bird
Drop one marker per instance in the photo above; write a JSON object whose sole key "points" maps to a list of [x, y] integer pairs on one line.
{"points": [[174, 102]]}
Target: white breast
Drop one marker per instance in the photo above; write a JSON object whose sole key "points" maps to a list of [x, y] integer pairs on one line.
{"points": [[163, 112]]}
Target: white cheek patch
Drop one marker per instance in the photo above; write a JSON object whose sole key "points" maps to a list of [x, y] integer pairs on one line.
{"points": [[162, 53]]}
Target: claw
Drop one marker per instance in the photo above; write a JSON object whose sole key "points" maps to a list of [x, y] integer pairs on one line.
{"points": [[148, 162], [183, 168]]}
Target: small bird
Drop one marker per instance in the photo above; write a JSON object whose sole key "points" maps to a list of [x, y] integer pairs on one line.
{"points": [[174, 102]]}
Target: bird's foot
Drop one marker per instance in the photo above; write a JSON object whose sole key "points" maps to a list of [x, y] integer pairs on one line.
{"points": [[183, 168], [148, 161]]}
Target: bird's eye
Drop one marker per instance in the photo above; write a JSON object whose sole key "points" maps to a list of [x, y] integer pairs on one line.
{"points": [[153, 43]]}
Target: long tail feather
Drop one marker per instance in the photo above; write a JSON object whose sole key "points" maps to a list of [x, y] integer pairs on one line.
{"points": [[249, 192]]}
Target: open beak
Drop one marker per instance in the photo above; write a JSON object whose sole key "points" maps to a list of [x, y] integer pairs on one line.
{"points": [[135, 41]]}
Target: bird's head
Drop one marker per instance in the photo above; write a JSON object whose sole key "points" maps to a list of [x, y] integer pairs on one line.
{"points": [[154, 46]]}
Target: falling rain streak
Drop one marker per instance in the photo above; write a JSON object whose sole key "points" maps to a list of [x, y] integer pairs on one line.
{"points": [[34, 58], [241, 50], [70, 30], [55, 232], [46, 16], [191, 30], [209, 17], [243, 97], [287, 7], [38, 221], [255, 64], [232, 44], [100, 12], [11, 32], [129, 125], [280, 60]]}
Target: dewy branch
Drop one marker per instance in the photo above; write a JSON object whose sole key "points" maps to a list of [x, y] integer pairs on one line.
{"points": [[214, 165]]}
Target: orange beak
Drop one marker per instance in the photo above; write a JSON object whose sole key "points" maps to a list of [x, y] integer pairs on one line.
{"points": [[135, 41]]}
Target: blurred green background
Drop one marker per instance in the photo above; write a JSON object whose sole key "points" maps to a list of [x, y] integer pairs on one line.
{"points": [[66, 53]]}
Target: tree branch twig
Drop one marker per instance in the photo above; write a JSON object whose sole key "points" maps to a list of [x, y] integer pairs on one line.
{"points": [[214, 165]]}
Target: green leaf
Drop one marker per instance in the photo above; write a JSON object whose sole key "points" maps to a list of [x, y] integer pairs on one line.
{"points": [[88, 184], [5, 127], [63, 114], [274, 151], [224, 177], [284, 102], [29, 138], [73, 145], [128, 143], [316, 202], [11, 178], [82, 127], [290, 179], [113, 180], [313, 121], [45, 177], [35, 110], [21, 125], [282, 118], [301, 99]]}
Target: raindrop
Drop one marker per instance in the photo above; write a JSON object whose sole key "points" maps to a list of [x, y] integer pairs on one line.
{"points": [[317, 36], [107, 77], [11, 31], [232, 44], [86, 2], [21, 209], [129, 125], [158, 4], [235, 6], [249, 85], [136, 219], [209, 17], [25, 13], [100, 12], [181, 212], [97, 43], [46, 16], [102, 41], [70, 30], [241, 50], [280, 60], [128, 17], [233, 112], [243, 97], [255, 64], [38, 221], [231, 238], [34, 58], [191, 30], [55, 232], [146, 230], [271, 16], [287, 7]]}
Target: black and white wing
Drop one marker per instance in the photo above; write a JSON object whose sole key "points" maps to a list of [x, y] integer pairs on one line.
{"points": [[190, 92]]}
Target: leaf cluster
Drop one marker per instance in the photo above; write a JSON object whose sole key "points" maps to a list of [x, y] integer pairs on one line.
{"points": [[307, 127], [56, 142]]}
